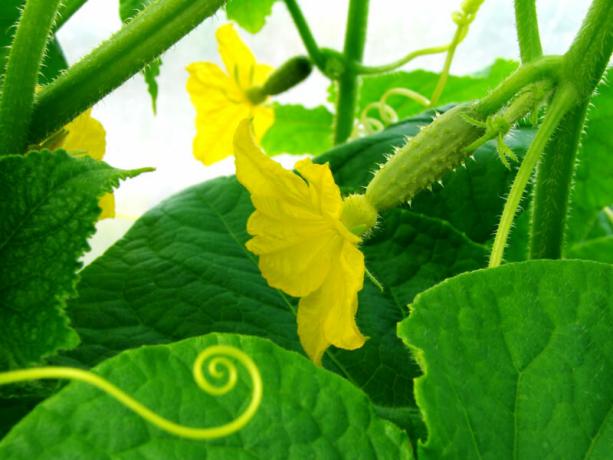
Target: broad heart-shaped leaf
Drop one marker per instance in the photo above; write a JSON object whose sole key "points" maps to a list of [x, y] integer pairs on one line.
{"points": [[470, 198], [299, 130], [249, 14], [49, 207], [593, 188], [183, 271], [54, 61], [305, 412], [518, 362], [127, 10], [458, 88]]}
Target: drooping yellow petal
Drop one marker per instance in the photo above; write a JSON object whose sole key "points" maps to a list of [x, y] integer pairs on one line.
{"points": [[263, 119], [294, 238], [236, 56], [85, 135], [327, 316]]}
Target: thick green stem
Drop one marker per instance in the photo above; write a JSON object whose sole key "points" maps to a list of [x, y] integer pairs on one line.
{"points": [[562, 101], [553, 185], [545, 67], [149, 34], [24, 61], [355, 41], [67, 9], [526, 22], [305, 34], [582, 68]]}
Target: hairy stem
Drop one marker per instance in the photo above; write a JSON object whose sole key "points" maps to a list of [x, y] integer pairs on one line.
{"points": [[355, 41], [24, 61], [305, 34], [149, 34], [583, 67], [67, 9], [562, 101], [527, 30]]}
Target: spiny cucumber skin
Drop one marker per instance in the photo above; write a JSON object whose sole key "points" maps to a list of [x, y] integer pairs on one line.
{"points": [[424, 159]]}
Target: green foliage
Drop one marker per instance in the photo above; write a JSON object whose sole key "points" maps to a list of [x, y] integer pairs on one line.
{"points": [[127, 10], [518, 362], [249, 14], [49, 207], [299, 130], [458, 88], [54, 61], [292, 422]]}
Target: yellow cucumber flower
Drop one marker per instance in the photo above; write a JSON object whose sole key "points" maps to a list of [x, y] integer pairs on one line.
{"points": [[304, 247], [221, 99], [85, 136]]}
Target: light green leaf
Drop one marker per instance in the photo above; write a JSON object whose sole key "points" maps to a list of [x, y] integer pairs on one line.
{"points": [[518, 362], [593, 188], [458, 88], [249, 14], [306, 412], [299, 130], [598, 249], [127, 10], [49, 206]]}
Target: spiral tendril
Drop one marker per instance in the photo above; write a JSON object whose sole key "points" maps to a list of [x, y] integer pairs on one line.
{"points": [[219, 366]]}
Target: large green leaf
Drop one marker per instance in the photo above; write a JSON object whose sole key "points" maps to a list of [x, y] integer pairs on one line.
{"points": [[518, 362], [249, 14], [471, 198], [54, 61], [599, 249], [299, 130], [305, 412], [49, 207], [127, 10], [183, 271], [458, 88], [593, 188]]}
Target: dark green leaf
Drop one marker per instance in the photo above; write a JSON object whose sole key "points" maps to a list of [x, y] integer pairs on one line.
{"points": [[518, 362], [49, 207], [598, 249], [299, 130], [249, 14], [306, 412], [127, 10]]}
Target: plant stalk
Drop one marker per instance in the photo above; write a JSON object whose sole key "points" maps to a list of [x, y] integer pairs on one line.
{"points": [[528, 36], [67, 9], [348, 83], [148, 35], [23, 64], [305, 34]]}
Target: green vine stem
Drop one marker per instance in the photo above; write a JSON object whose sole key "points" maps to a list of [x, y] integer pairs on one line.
{"points": [[144, 38], [355, 41], [583, 67], [527, 30], [305, 34], [23, 64], [67, 9], [369, 70], [562, 101]]}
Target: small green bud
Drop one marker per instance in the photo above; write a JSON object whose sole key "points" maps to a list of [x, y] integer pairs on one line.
{"points": [[294, 71]]}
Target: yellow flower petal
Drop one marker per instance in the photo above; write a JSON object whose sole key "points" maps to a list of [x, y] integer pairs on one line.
{"points": [[236, 56], [85, 135], [107, 204], [263, 119], [327, 316]]}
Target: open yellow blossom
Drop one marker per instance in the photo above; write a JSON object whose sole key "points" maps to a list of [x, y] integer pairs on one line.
{"points": [[221, 99], [304, 248], [85, 136]]}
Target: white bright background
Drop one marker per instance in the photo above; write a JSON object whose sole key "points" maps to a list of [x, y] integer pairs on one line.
{"points": [[137, 138]]}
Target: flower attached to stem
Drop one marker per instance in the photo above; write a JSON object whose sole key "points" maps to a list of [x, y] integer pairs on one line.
{"points": [[307, 237], [222, 100]]}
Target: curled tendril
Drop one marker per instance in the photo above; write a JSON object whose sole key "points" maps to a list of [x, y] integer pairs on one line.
{"points": [[219, 367], [386, 112]]}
